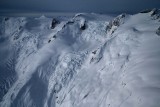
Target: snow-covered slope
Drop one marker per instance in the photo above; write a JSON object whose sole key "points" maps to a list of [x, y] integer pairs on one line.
{"points": [[89, 60]]}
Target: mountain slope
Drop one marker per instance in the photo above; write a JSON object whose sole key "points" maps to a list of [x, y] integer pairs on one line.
{"points": [[88, 60]]}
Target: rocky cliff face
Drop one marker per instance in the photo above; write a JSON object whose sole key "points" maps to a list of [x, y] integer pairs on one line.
{"points": [[115, 23], [155, 14]]}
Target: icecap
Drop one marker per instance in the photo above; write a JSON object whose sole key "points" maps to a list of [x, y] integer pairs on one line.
{"points": [[88, 60]]}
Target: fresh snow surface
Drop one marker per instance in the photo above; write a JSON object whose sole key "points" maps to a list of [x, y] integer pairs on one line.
{"points": [[72, 67]]}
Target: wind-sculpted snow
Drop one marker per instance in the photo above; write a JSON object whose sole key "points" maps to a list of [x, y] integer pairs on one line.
{"points": [[89, 60]]}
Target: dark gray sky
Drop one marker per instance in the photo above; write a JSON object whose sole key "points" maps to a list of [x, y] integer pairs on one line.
{"points": [[97, 6]]}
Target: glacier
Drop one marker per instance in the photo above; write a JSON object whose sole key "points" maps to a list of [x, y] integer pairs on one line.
{"points": [[88, 60]]}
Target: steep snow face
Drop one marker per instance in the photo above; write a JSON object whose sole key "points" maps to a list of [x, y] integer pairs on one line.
{"points": [[89, 60]]}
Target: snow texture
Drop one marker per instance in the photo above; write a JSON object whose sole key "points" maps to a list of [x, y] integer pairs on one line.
{"points": [[90, 60]]}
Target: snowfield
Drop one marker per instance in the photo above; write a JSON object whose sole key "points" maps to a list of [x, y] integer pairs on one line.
{"points": [[89, 60]]}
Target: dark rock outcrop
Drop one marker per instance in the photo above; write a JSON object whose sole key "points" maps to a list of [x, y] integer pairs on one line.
{"points": [[54, 36], [49, 41], [70, 22], [83, 26], [54, 23], [155, 14], [111, 27], [6, 18]]}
